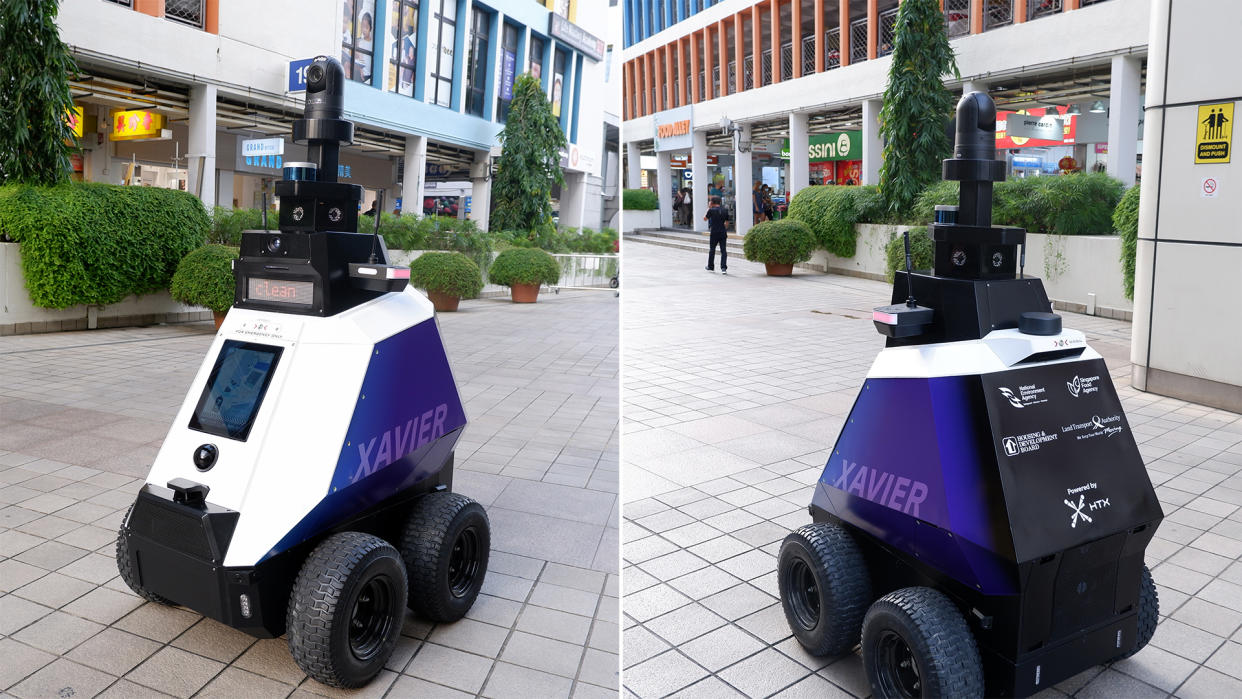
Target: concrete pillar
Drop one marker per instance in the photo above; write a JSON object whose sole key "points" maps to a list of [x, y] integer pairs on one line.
{"points": [[743, 180], [872, 144], [99, 159], [414, 176], [634, 165], [664, 189], [974, 86], [799, 151], [573, 201], [698, 169], [481, 189], [224, 188], [201, 152], [1123, 118]]}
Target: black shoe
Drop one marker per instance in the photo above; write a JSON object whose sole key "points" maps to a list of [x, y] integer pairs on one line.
{"points": [[723, 270], [710, 269]]}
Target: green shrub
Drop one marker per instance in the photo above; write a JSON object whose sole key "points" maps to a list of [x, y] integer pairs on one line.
{"points": [[1125, 221], [1079, 204], [227, 224], [639, 200], [524, 266], [205, 278], [831, 211], [89, 243], [449, 273], [921, 251], [783, 242]]}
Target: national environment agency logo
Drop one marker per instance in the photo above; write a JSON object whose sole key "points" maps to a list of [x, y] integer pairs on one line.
{"points": [[1029, 394]]}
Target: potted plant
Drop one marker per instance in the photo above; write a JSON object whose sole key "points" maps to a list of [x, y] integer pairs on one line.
{"points": [[523, 270], [448, 278], [205, 278], [778, 245]]}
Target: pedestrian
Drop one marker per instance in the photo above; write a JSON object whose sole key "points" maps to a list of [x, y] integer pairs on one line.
{"points": [[687, 206], [756, 195], [716, 218], [374, 210], [769, 211]]}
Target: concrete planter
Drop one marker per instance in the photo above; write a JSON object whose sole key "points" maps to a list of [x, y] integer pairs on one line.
{"points": [[1072, 267], [636, 219], [18, 316]]}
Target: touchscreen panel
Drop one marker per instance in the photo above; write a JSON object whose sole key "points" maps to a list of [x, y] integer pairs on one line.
{"points": [[235, 389]]}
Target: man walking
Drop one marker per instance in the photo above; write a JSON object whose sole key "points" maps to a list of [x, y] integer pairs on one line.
{"points": [[716, 218]]}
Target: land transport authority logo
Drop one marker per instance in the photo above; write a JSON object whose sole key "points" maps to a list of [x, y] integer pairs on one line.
{"points": [[1095, 427], [1029, 394], [1079, 509], [1083, 385]]}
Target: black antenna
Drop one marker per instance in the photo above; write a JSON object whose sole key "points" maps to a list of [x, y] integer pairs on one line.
{"points": [[265, 211], [379, 210], [909, 275], [1022, 261]]}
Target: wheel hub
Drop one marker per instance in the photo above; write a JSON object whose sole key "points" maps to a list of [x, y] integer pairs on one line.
{"points": [[370, 620], [803, 594], [897, 670], [464, 561]]}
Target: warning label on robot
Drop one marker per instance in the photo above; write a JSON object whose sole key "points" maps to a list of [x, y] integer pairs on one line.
{"points": [[1052, 455], [1214, 133]]}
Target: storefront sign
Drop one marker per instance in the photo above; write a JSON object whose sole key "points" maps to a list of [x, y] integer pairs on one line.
{"points": [[506, 75], [1214, 133], [75, 118], [263, 146], [297, 74], [133, 125], [672, 129], [562, 29], [575, 159], [678, 162], [827, 147], [1005, 138], [1047, 128]]}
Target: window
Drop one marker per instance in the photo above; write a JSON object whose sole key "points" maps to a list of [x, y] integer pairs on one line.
{"points": [[536, 56], [358, 39], [403, 57], [476, 62], [508, 68], [185, 11], [441, 42], [558, 81]]}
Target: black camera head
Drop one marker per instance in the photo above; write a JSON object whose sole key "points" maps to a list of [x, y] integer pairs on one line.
{"points": [[325, 89], [976, 128]]}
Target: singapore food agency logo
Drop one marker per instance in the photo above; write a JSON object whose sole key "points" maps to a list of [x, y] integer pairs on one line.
{"points": [[1082, 385]]}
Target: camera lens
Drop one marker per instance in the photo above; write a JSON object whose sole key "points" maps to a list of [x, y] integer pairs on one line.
{"points": [[314, 74], [275, 245]]}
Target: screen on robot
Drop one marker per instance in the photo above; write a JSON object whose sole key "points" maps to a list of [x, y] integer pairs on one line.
{"points": [[235, 389]]}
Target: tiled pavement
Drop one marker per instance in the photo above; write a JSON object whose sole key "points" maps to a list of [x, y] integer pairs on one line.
{"points": [[736, 387], [81, 418]]}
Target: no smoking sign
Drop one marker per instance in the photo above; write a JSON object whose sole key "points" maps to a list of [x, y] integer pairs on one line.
{"points": [[1209, 188]]}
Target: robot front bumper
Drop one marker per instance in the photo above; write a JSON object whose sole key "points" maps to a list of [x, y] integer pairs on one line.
{"points": [[176, 543]]}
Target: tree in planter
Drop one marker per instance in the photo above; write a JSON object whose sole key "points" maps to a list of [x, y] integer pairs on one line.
{"points": [[523, 270], [529, 161], [916, 104], [779, 245], [448, 278], [37, 138], [205, 278]]}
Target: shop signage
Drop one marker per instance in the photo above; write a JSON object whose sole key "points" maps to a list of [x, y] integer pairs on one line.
{"points": [[506, 75], [562, 29], [297, 74], [1213, 133], [1005, 138], [135, 124], [846, 145], [683, 161], [575, 159], [672, 129], [263, 146], [75, 117], [1044, 127]]}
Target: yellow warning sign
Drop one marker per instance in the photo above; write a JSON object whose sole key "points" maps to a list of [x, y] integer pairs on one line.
{"points": [[1214, 133]]}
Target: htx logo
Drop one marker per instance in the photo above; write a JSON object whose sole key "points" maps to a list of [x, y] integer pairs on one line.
{"points": [[1084, 505]]}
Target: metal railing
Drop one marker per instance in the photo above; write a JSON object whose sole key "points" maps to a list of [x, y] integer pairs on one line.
{"points": [[702, 84], [586, 271], [808, 55], [716, 81], [997, 13], [957, 17], [1042, 8], [1084, 3], [185, 11], [888, 31], [787, 61], [858, 40], [748, 72], [832, 49], [765, 68], [732, 77], [124, 3]]}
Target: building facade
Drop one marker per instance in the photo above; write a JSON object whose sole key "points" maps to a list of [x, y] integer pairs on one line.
{"points": [[722, 94], [206, 101]]}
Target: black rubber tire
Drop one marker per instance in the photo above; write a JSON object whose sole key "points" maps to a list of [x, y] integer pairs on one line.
{"points": [[1148, 612], [352, 583], [440, 588], [917, 634], [614, 283], [824, 586], [128, 574]]}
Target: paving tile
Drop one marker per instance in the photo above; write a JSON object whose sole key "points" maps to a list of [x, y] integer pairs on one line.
{"points": [[536, 652], [640, 645], [63, 678], [662, 675], [600, 668], [175, 671], [233, 682], [16, 613], [103, 605], [707, 688], [124, 689], [20, 661], [565, 599], [764, 673], [470, 635], [57, 632], [407, 686], [270, 658], [555, 624], [1209, 684], [718, 649], [450, 667], [214, 640], [1160, 668], [157, 622], [515, 682]]}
